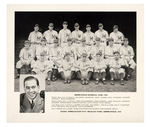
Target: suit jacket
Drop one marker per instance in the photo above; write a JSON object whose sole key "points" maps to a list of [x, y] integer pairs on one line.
{"points": [[25, 105]]}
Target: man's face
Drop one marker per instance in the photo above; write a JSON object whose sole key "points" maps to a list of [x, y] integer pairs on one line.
{"points": [[26, 46], [126, 43], [117, 56], [101, 28], [83, 58], [88, 28], [116, 30], [65, 26], [36, 28], [42, 58], [97, 43], [50, 28], [67, 58], [98, 57], [31, 88], [76, 27], [111, 43]]}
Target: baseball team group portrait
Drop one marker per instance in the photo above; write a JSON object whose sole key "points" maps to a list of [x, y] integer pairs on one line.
{"points": [[77, 51]]}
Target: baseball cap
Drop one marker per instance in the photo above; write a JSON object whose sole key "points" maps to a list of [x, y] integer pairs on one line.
{"points": [[51, 24], [65, 22], [115, 27], [88, 25], [26, 42], [100, 25], [36, 25], [76, 24]]}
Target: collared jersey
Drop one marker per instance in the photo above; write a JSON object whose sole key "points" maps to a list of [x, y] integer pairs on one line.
{"points": [[35, 37]]}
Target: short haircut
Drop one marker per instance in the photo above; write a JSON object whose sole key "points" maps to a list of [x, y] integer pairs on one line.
{"points": [[31, 78]]}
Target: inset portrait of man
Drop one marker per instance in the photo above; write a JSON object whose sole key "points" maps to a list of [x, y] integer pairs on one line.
{"points": [[32, 100]]}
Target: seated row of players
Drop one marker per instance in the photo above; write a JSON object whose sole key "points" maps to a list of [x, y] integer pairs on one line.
{"points": [[84, 61]]}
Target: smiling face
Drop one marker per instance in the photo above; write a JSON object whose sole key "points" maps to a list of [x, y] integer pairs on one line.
{"points": [[31, 88]]}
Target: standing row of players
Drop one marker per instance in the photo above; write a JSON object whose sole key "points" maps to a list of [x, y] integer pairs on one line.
{"points": [[84, 54]]}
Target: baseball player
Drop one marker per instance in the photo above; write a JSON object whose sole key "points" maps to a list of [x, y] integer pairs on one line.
{"points": [[127, 54], [101, 35], [83, 49], [97, 48], [89, 36], [66, 68], [43, 66], [50, 35], [55, 55], [42, 48], [64, 34], [70, 49], [26, 57], [77, 36], [117, 36], [117, 70], [99, 68], [35, 38], [109, 51], [84, 69]]}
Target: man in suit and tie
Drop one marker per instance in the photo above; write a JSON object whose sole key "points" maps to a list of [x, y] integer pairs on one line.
{"points": [[32, 101]]}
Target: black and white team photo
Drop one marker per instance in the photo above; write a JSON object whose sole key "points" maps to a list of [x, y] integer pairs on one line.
{"points": [[77, 51]]}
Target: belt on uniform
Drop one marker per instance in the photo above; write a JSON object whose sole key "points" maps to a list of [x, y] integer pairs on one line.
{"points": [[117, 43], [35, 43], [50, 43]]}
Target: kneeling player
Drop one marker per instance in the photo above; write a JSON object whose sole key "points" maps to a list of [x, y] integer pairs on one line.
{"points": [[66, 68], [43, 66], [127, 53], [85, 69], [117, 70], [26, 57], [99, 68]]}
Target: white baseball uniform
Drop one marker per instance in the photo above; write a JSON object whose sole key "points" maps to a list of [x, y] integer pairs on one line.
{"points": [[90, 38], [83, 49], [115, 66], [42, 67], [127, 54], [42, 49], [35, 39], [95, 49], [117, 37], [50, 36], [103, 35], [99, 66], [64, 34], [77, 36], [26, 57], [109, 53]]}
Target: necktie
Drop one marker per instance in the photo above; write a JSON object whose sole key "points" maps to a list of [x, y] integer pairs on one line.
{"points": [[32, 104]]}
